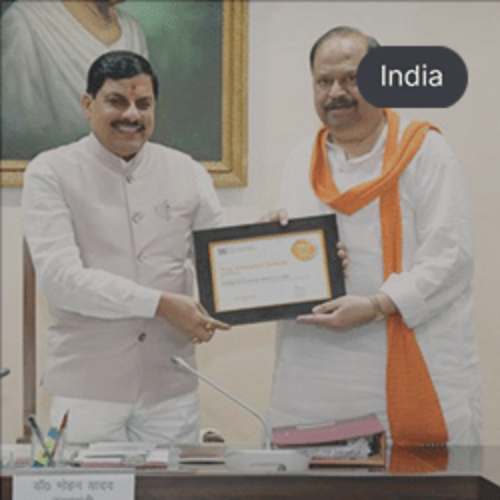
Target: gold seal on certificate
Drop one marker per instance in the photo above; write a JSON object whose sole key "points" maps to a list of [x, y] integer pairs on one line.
{"points": [[265, 272], [303, 249]]}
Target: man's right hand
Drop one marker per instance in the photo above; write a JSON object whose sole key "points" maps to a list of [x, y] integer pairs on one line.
{"points": [[280, 216], [189, 316]]}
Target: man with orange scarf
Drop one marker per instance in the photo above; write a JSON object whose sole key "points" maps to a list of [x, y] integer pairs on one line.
{"points": [[401, 342]]}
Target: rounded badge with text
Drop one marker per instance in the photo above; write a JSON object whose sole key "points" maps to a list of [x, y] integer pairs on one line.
{"points": [[412, 77]]}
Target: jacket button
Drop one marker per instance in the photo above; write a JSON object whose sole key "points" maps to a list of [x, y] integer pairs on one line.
{"points": [[142, 337], [137, 217]]}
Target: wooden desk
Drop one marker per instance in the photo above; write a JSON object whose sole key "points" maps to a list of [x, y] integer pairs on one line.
{"points": [[314, 487], [468, 479]]}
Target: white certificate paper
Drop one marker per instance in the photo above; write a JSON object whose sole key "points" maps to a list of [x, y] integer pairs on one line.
{"points": [[269, 270]]}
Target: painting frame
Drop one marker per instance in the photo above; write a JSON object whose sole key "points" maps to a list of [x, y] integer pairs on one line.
{"points": [[231, 169]]}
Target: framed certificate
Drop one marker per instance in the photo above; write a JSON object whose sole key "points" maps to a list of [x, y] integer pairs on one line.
{"points": [[266, 272]]}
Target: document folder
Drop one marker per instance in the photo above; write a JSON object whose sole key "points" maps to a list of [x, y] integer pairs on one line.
{"points": [[355, 442]]}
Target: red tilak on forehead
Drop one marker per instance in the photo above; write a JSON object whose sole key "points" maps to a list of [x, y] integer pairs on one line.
{"points": [[133, 87]]}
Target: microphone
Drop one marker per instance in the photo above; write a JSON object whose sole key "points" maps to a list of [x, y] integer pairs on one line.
{"points": [[267, 459], [4, 372]]}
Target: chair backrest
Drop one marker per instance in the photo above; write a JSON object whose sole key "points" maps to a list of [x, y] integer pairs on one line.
{"points": [[29, 342]]}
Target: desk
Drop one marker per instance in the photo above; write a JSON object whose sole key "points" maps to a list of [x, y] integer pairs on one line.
{"points": [[473, 473]]}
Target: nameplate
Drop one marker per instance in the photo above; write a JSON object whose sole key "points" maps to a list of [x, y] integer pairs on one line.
{"points": [[73, 485]]}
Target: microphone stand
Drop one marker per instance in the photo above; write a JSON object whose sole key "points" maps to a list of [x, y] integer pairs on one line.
{"points": [[267, 430], [253, 460]]}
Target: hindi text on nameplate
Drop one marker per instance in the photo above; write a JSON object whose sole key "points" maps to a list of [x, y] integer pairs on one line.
{"points": [[72, 485]]}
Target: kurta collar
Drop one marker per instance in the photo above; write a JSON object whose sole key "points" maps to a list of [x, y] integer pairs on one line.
{"points": [[113, 161], [336, 153]]}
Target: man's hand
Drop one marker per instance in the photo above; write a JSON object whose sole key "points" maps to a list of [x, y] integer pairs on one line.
{"points": [[280, 216], [348, 311], [189, 316], [342, 253]]}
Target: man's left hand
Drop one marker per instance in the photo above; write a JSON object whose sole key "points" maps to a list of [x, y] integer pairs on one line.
{"points": [[343, 313]]}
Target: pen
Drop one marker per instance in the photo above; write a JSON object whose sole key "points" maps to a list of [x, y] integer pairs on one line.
{"points": [[62, 427], [31, 420]]}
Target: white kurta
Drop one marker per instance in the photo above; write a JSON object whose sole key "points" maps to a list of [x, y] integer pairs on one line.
{"points": [[325, 375], [46, 54]]}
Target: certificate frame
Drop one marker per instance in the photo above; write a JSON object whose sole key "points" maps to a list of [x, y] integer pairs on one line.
{"points": [[206, 241]]}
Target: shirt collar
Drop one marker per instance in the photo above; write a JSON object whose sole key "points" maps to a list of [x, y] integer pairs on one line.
{"points": [[113, 161]]}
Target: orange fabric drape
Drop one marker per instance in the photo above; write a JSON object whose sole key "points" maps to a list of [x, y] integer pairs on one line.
{"points": [[413, 407]]}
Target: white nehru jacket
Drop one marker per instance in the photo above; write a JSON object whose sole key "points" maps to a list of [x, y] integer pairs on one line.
{"points": [[107, 237]]}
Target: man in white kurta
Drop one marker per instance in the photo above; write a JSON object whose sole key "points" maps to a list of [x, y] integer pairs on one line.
{"points": [[340, 372], [46, 53], [109, 220]]}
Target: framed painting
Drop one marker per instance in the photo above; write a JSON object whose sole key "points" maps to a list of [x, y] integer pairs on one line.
{"points": [[199, 52]]}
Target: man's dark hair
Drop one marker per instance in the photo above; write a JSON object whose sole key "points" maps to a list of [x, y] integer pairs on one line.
{"points": [[371, 43], [117, 65]]}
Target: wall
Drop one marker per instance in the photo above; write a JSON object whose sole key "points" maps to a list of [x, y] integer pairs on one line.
{"points": [[280, 113]]}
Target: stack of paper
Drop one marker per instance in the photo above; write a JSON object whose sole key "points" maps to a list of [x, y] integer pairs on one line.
{"points": [[203, 454], [117, 454], [139, 454]]}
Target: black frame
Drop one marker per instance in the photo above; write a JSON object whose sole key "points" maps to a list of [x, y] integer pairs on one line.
{"points": [[202, 240]]}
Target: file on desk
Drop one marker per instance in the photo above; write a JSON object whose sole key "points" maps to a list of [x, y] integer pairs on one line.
{"points": [[355, 442]]}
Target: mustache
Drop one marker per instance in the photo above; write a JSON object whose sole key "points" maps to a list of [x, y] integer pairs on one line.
{"points": [[138, 125], [341, 102]]}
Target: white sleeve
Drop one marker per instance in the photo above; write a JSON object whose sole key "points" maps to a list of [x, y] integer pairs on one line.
{"points": [[143, 47], [60, 271], [442, 267], [209, 212], [137, 40]]}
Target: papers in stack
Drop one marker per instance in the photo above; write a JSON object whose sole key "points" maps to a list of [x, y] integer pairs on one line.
{"points": [[16, 455], [353, 442], [146, 455], [213, 453], [115, 454]]}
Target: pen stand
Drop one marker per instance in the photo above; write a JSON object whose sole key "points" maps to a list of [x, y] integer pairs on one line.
{"points": [[55, 443]]}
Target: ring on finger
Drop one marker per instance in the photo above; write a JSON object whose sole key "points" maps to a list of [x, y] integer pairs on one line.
{"points": [[209, 327]]}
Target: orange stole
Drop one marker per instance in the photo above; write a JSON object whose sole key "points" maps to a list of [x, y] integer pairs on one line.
{"points": [[413, 407]]}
